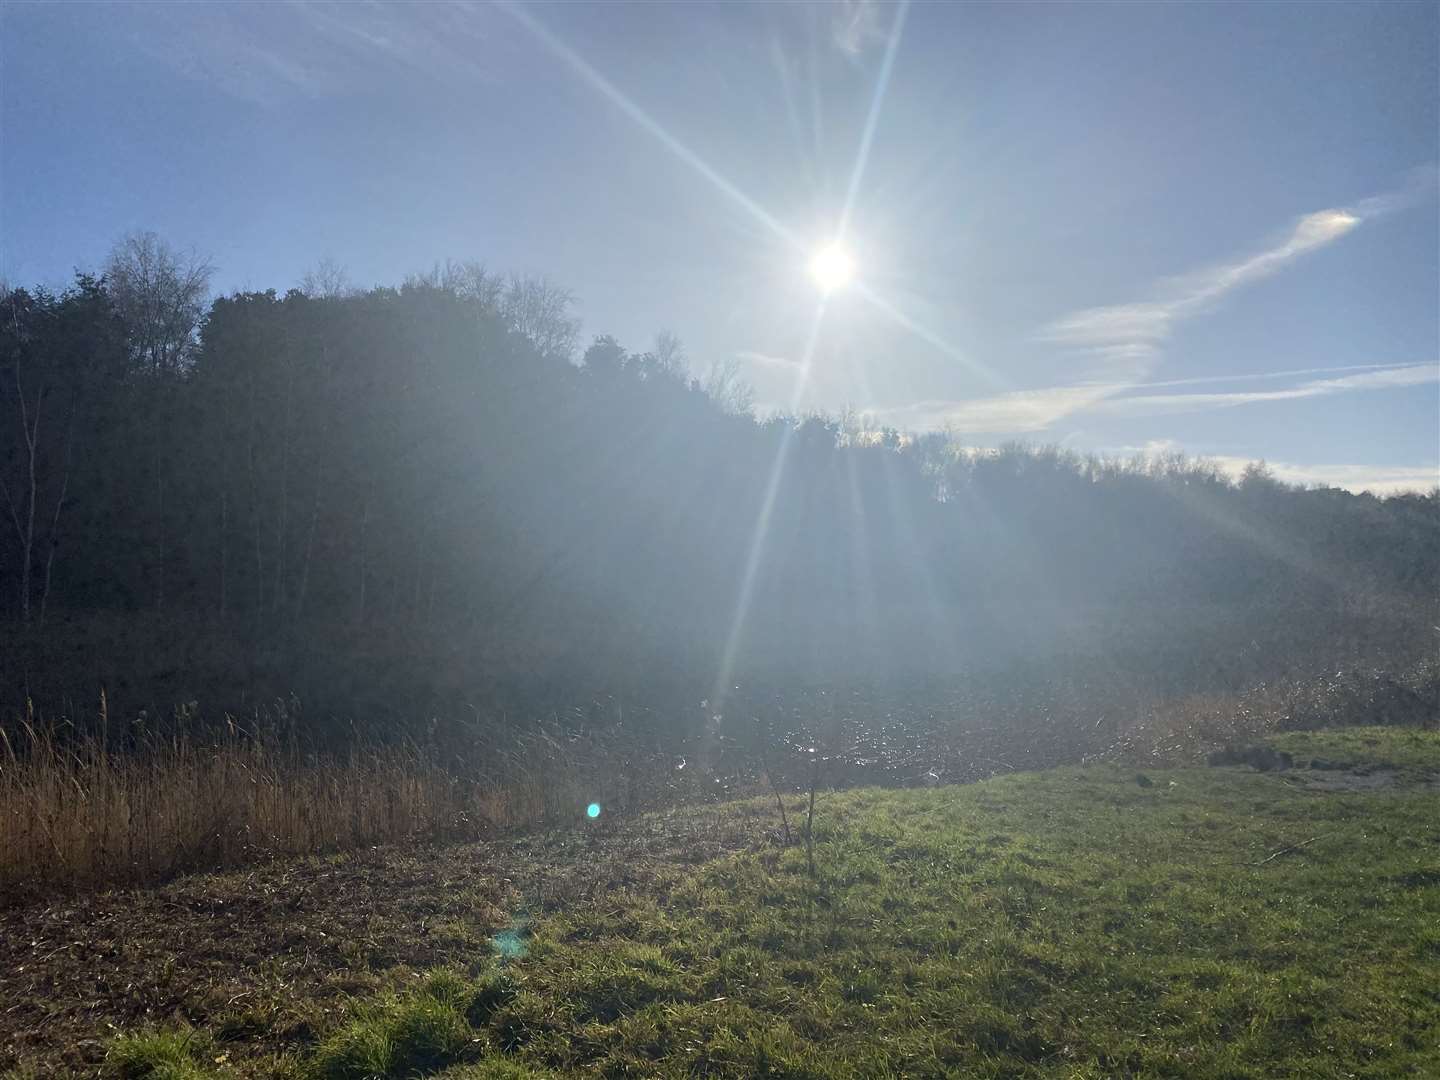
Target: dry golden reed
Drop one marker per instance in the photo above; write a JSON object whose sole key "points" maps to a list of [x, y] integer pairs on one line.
{"points": [[76, 811]]}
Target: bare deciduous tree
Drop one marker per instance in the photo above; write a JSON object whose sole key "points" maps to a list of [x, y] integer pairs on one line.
{"points": [[669, 353], [534, 307], [471, 281], [540, 310], [727, 389], [326, 280], [162, 294], [467, 279]]}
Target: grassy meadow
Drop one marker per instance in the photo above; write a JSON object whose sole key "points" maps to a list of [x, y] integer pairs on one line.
{"points": [[1078, 922]]}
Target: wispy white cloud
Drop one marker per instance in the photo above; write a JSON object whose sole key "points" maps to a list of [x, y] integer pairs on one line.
{"points": [[1200, 380], [1119, 345], [273, 54], [856, 25], [1419, 187], [1379, 379], [1134, 331], [1027, 411], [1123, 343], [1016, 412], [1376, 479], [764, 360]]}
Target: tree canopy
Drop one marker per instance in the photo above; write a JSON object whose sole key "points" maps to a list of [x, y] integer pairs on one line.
{"points": [[349, 494]]}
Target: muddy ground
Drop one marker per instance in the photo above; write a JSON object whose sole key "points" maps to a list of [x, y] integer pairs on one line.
{"points": [[265, 953]]}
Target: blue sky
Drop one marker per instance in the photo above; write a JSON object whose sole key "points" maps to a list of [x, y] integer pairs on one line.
{"points": [[1211, 228]]}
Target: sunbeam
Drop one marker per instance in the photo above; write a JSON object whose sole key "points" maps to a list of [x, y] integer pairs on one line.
{"points": [[627, 105], [762, 523], [924, 333], [650, 124], [882, 84]]}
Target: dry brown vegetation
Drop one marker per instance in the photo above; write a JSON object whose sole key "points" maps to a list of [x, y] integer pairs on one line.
{"points": [[100, 808], [1183, 730], [269, 955], [81, 810]]}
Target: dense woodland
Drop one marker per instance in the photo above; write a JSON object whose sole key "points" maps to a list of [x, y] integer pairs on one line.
{"points": [[428, 500]]}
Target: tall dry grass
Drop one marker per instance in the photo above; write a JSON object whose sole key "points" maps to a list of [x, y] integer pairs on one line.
{"points": [[84, 809], [78, 811], [1183, 730]]}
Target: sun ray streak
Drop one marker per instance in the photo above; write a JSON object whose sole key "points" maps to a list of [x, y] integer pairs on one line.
{"points": [[762, 523], [925, 334], [628, 106], [593, 77], [882, 84]]}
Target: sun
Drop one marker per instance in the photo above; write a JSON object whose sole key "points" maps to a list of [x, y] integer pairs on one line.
{"points": [[832, 267]]}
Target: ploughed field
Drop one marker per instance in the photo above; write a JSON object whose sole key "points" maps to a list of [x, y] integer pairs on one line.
{"points": [[1077, 922]]}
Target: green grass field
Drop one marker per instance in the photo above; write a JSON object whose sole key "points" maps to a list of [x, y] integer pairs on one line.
{"points": [[1398, 748], [1082, 922]]}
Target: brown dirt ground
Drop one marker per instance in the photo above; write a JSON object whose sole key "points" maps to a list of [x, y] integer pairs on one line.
{"points": [[268, 955]]}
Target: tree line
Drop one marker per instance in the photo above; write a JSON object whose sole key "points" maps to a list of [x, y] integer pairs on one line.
{"points": [[427, 497]]}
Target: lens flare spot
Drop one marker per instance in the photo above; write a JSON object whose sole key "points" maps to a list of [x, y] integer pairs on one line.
{"points": [[509, 944], [593, 810]]}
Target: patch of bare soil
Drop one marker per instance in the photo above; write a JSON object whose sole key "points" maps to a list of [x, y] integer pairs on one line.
{"points": [[265, 956]]}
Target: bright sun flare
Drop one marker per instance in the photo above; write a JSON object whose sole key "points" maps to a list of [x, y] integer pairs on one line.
{"points": [[832, 267]]}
